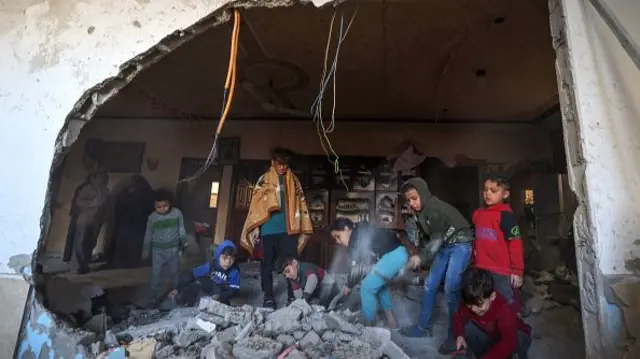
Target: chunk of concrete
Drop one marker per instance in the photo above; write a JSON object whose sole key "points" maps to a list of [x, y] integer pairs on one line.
{"points": [[328, 336], [393, 351], [296, 354], [318, 323], [286, 340], [334, 321], [257, 347], [298, 334], [310, 339], [187, 337], [302, 305], [236, 315]]}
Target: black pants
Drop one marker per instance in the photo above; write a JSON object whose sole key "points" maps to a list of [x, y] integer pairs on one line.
{"points": [[276, 247], [202, 286]]}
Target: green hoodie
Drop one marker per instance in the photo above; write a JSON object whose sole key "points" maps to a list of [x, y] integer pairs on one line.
{"points": [[437, 219]]}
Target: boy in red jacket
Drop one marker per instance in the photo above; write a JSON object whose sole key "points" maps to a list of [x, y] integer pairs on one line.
{"points": [[485, 324], [497, 246]]}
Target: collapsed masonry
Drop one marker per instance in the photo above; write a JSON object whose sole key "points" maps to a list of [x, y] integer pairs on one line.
{"points": [[214, 330]]}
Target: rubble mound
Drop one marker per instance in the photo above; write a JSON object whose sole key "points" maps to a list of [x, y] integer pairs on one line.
{"points": [[218, 331]]}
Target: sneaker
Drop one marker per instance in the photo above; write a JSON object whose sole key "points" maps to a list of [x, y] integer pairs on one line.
{"points": [[416, 331], [447, 348], [269, 303]]}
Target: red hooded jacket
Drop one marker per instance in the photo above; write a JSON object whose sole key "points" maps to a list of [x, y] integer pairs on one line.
{"points": [[500, 323], [498, 247]]}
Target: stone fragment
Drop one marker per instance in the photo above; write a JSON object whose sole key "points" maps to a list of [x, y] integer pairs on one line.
{"points": [[236, 315], [318, 308], [296, 354], [355, 349], [188, 337], [329, 336], [336, 322], [306, 326], [344, 337], [286, 340], [318, 323], [244, 332], [226, 335], [302, 305], [535, 304], [298, 334], [310, 339], [287, 313], [393, 351], [217, 351], [257, 347]]}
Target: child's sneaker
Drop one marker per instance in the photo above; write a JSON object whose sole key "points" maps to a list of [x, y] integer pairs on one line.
{"points": [[416, 331]]}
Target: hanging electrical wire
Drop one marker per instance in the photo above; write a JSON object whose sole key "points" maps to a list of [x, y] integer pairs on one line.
{"points": [[227, 97], [316, 107]]}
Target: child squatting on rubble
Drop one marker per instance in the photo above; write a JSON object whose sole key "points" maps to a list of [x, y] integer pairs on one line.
{"points": [[448, 245], [498, 247], [376, 255], [166, 239], [218, 278], [485, 324], [307, 281]]}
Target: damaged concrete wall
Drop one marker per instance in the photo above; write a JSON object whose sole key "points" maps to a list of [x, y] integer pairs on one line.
{"points": [[600, 91], [171, 140], [53, 52]]}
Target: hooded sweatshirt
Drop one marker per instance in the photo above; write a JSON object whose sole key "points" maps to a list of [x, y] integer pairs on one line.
{"points": [[227, 281], [498, 247], [500, 323], [367, 245], [437, 219]]}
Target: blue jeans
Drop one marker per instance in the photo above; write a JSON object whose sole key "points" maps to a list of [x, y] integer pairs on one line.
{"points": [[480, 344], [502, 285], [374, 285], [449, 264]]}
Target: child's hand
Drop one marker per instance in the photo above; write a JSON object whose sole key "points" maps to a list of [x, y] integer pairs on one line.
{"points": [[215, 297], [173, 294], [461, 343], [346, 290], [414, 262], [516, 281]]}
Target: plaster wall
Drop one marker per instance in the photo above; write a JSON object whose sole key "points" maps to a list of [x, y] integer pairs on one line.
{"points": [[171, 140], [599, 90]]}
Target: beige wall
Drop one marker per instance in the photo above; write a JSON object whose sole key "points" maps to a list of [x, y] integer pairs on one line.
{"points": [[171, 140]]}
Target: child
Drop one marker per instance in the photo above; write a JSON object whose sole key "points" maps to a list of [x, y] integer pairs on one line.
{"points": [[166, 238], [485, 324], [498, 247], [307, 281], [219, 278], [449, 246], [378, 256]]}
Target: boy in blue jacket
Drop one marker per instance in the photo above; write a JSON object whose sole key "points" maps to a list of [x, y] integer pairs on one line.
{"points": [[219, 278]]}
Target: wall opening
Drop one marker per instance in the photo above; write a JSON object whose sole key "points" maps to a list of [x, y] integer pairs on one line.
{"points": [[460, 118]]}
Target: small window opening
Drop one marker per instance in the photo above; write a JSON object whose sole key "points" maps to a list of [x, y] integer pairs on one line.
{"points": [[213, 200]]}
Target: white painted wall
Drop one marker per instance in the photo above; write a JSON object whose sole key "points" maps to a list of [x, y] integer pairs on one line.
{"points": [[50, 57], [608, 96]]}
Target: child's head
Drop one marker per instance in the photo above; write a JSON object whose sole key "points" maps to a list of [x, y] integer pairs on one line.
{"points": [[280, 159], [227, 257], [412, 196], [341, 230], [289, 268], [162, 201], [496, 190], [477, 290]]}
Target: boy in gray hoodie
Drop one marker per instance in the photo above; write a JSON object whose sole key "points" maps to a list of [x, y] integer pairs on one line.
{"points": [[165, 238], [443, 237]]}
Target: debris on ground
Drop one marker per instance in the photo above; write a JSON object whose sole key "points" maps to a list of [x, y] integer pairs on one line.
{"points": [[550, 290], [215, 330]]}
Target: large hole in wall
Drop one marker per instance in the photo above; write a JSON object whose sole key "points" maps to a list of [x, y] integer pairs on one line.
{"points": [[448, 88]]}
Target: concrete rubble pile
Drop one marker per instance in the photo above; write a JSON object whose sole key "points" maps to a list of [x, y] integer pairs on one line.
{"points": [[549, 290], [218, 331]]}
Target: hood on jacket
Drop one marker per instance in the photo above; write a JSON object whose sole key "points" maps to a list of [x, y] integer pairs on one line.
{"points": [[227, 243], [422, 188]]}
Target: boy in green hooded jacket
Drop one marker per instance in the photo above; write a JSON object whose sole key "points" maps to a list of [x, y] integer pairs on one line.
{"points": [[442, 235]]}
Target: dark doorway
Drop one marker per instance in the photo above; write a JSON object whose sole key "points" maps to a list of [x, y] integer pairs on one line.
{"points": [[198, 200]]}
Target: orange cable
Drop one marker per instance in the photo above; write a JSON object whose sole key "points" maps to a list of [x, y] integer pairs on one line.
{"points": [[231, 73]]}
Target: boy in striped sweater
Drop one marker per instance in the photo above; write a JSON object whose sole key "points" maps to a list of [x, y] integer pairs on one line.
{"points": [[165, 238]]}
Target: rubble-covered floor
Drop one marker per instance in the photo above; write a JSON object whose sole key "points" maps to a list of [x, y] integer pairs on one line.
{"points": [[557, 328]]}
